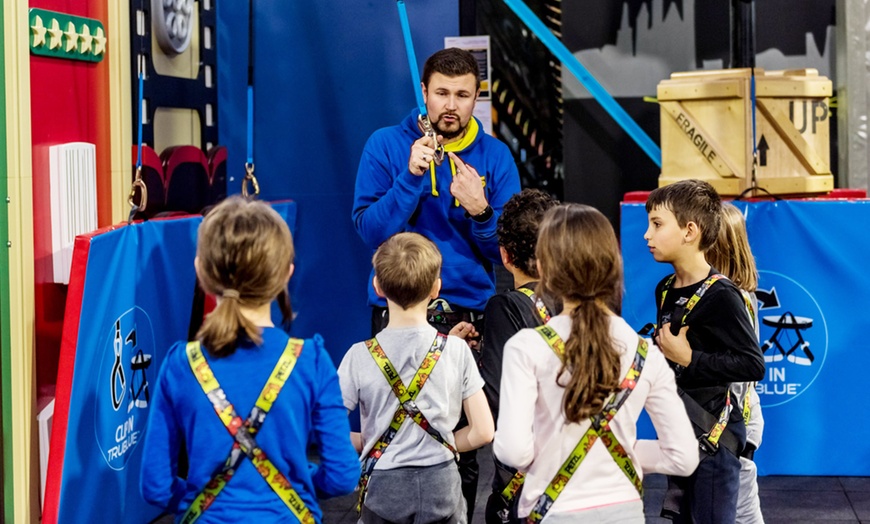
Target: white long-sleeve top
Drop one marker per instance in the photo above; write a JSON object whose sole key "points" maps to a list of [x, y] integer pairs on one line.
{"points": [[533, 435]]}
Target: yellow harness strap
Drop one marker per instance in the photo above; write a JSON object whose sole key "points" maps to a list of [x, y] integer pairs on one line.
{"points": [[243, 432]]}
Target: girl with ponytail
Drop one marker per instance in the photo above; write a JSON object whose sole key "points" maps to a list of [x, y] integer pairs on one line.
{"points": [[241, 360], [558, 378]]}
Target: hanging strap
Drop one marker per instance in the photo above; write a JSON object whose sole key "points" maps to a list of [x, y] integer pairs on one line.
{"points": [[423, 119], [407, 405], [412, 57], [138, 183], [599, 428], [243, 432], [754, 181], [540, 307], [249, 134]]}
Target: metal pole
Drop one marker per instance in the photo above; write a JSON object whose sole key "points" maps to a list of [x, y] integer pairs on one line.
{"points": [[742, 33]]}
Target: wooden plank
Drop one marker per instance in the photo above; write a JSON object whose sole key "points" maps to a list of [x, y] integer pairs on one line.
{"points": [[793, 87], [725, 88]]}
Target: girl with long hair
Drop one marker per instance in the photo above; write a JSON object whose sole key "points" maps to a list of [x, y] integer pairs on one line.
{"points": [[572, 390]]}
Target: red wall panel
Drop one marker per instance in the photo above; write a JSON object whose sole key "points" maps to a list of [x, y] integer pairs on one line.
{"points": [[69, 103]]}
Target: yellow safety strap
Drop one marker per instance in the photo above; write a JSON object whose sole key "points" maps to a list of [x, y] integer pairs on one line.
{"points": [[599, 428], [243, 432], [407, 405], [540, 307], [747, 408], [715, 432]]}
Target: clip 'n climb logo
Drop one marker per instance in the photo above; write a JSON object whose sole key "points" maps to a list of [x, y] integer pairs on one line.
{"points": [[123, 392], [794, 338]]}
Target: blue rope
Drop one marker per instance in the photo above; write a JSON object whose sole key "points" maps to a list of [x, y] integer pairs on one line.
{"points": [[587, 80], [412, 58]]}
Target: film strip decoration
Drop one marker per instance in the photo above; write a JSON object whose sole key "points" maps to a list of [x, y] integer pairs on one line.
{"points": [[527, 91], [171, 24]]}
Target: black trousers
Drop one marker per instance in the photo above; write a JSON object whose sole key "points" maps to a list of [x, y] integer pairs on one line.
{"points": [[469, 469]]}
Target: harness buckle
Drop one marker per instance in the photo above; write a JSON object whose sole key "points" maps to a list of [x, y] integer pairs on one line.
{"points": [[706, 446]]}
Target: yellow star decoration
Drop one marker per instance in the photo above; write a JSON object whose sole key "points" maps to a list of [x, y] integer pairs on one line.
{"points": [[99, 42], [55, 33], [38, 32], [87, 39], [72, 38]]}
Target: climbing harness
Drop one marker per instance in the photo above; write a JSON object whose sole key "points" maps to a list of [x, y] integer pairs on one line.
{"points": [[599, 428], [249, 156], [138, 183], [407, 405], [423, 121], [540, 307], [710, 439], [244, 431]]}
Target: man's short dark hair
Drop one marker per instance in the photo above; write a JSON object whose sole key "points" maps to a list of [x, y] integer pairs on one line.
{"points": [[518, 227], [691, 201], [451, 62]]}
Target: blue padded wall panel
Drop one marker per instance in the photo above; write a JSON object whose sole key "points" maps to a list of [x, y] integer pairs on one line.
{"points": [[327, 74]]}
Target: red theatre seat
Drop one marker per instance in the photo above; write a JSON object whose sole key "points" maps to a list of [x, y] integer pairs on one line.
{"points": [[217, 163], [187, 178]]}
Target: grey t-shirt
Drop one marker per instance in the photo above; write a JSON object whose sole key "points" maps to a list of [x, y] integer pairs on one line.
{"points": [[454, 378]]}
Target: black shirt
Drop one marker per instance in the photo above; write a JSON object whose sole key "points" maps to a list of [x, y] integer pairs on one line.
{"points": [[505, 314], [723, 342]]}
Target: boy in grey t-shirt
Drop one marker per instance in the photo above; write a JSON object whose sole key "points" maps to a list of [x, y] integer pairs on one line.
{"points": [[408, 449]]}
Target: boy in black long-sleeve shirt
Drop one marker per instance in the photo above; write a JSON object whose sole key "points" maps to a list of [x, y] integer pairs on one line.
{"points": [[509, 312], [706, 335]]}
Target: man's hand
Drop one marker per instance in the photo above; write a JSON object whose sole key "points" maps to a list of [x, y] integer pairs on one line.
{"points": [[675, 347], [466, 331], [422, 152], [467, 188]]}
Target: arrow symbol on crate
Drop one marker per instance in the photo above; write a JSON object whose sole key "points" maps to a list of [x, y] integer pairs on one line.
{"points": [[767, 299], [762, 151]]}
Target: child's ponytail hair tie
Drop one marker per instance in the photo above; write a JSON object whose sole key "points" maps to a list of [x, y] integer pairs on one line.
{"points": [[230, 293]]}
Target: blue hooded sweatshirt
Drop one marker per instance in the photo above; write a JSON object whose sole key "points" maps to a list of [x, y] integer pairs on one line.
{"points": [[389, 199]]}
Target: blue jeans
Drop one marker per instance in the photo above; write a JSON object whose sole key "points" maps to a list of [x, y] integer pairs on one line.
{"points": [[709, 496]]}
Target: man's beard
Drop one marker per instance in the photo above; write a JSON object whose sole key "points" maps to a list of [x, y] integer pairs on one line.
{"points": [[450, 135]]}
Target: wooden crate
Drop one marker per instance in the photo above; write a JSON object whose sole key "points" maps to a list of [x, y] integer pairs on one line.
{"points": [[706, 130]]}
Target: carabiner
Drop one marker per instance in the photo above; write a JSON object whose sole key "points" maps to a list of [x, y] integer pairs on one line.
{"points": [[426, 128], [249, 177], [143, 192]]}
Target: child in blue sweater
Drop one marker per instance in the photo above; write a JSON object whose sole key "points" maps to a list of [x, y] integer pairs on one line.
{"points": [[247, 460]]}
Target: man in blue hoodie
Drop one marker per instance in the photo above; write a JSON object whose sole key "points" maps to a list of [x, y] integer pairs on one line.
{"points": [[400, 187], [406, 182]]}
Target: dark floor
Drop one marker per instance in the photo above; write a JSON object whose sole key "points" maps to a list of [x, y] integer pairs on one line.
{"points": [[792, 500]]}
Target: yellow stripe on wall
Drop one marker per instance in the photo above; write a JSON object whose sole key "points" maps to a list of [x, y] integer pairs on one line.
{"points": [[120, 107], [25, 475]]}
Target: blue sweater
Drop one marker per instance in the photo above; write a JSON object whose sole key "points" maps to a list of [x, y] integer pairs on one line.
{"points": [[388, 199], [308, 409]]}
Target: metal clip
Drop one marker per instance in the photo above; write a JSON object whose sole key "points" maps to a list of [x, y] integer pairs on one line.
{"points": [[706, 446], [426, 127], [143, 193], [249, 177]]}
